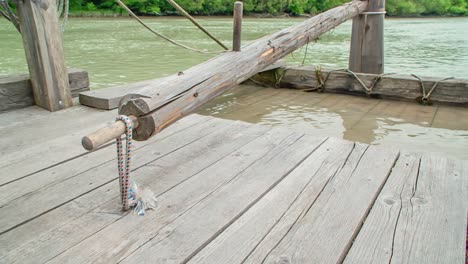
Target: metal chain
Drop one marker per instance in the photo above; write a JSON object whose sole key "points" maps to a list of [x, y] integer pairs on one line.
{"points": [[123, 163]]}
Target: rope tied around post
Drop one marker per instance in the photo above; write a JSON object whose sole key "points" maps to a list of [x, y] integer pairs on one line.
{"points": [[425, 98], [139, 200]]}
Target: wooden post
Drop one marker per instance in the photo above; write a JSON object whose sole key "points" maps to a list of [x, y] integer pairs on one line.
{"points": [[236, 38], [367, 40], [44, 53]]}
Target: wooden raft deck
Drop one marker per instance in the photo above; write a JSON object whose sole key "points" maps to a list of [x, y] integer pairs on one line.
{"points": [[228, 192]]}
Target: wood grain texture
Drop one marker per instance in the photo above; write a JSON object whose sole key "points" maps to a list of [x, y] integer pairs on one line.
{"points": [[428, 222], [79, 218], [324, 233], [184, 92], [16, 91], [375, 240], [193, 230], [181, 186], [237, 242], [394, 86], [72, 187], [367, 40], [44, 53]]}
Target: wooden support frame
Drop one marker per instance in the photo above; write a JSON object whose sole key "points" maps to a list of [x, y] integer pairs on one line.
{"points": [[367, 40], [44, 54]]}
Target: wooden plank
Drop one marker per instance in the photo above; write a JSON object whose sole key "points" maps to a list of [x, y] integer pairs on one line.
{"points": [[16, 91], [367, 40], [44, 53], [375, 239], [109, 98], [180, 180], [425, 223], [27, 207], [237, 242], [393, 86], [193, 229], [325, 231], [74, 167], [25, 154]]}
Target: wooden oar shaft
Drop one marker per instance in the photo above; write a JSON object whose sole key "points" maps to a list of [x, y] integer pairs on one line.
{"points": [[106, 134]]}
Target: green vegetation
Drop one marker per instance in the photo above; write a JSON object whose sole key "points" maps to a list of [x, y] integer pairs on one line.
{"points": [[274, 7]]}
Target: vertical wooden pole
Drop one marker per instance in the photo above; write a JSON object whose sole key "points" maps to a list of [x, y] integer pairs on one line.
{"points": [[367, 40], [236, 38], [44, 53]]}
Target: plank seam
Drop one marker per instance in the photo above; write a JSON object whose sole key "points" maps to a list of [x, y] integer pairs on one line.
{"points": [[366, 214], [160, 193], [82, 194], [249, 206], [206, 196], [306, 210], [295, 199], [399, 212], [100, 164]]}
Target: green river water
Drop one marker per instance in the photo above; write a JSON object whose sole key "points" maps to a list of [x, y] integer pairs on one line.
{"points": [[118, 50]]}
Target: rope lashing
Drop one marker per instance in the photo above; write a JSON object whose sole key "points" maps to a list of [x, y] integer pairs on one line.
{"points": [[123, 163], [368, 89], [425, 98], [321, 82]]}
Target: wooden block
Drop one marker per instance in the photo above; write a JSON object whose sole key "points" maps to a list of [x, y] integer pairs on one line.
{"points": [[16, 91]]}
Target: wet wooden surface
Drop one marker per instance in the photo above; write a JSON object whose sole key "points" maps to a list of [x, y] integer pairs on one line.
{"points": [[228, 192]]}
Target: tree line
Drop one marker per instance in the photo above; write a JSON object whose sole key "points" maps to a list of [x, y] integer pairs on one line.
{"points": [[274, 7]]}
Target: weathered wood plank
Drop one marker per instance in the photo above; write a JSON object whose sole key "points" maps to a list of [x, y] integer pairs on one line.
{"points": [[367, 40], [55, 195], [297, 210], [375, 239], [16, 91], [392, 86], [183, 237], [426, 222], [237, 242], [44, 53], [180, 180], [74, 167], [326, 230]]}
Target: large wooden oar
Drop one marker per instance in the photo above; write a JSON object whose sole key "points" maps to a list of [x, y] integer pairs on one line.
{"points": [[179, 95]]}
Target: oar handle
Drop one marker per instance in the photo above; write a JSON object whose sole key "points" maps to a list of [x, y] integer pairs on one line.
{"points": [[106, 134]]}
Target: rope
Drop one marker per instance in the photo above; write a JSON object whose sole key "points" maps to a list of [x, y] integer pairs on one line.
{"points": [[322, 81], [425, 98], [130, 12], [189, 17], [123, 163]]}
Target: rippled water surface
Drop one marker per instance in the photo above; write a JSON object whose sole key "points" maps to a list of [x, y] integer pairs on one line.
{"points": [[118, 50]]}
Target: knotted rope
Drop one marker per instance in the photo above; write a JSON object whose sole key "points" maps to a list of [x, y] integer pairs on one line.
{"points": [[140, 199], [123, 163]]}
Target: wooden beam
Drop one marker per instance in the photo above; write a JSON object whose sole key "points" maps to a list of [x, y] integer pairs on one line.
{"points": [[184, 92], [403, 87], [237, 30], [44, 53], [367, 40], [16, 91]]}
